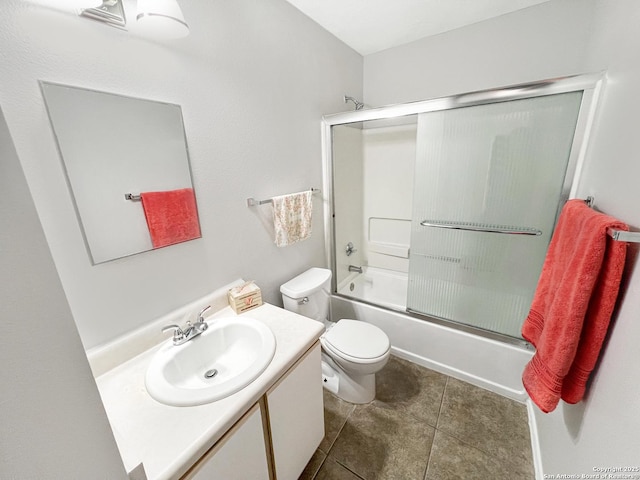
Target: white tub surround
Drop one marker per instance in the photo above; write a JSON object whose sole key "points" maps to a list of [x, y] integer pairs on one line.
{"points": [[170, 440]]}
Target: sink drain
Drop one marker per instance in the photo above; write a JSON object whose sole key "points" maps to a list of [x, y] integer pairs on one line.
{"points": [[210, 373]]}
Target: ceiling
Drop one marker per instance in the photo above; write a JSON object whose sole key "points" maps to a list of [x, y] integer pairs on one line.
{"points": [[369, 26]]}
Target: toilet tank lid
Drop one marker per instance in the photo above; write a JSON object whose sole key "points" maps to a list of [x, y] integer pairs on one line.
{"points": [[305, 283]]}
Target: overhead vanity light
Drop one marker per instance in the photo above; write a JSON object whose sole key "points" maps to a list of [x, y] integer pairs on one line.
{"points": [[161, 19], [110, 12], [79, 4]]}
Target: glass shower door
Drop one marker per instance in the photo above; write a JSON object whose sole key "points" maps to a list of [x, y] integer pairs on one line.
{"points": [[488, 186]]}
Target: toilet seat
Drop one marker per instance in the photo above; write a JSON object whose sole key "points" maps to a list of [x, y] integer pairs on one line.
{"points": [[356, 341]]}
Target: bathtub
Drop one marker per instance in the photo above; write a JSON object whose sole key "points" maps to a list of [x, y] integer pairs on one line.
{"points": [[487, 363], [386, 288]]}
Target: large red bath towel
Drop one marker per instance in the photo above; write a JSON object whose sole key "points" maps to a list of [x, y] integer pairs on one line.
{"points": [[572, 305], [172, 216]]}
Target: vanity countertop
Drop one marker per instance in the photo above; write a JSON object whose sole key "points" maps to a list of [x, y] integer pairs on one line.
{"points": [[169, 440]]}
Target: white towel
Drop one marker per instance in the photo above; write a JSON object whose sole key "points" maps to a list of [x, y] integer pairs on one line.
{"points": [[292, 218]]}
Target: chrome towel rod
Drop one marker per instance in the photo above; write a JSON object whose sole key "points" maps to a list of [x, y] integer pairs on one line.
{"points": [[252, 202], [477, 227], [131, 196], [623, 236], [617, 235]]}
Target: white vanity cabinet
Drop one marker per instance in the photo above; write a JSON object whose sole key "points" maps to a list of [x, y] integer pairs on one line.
{"points": [[296, 415], [276, 438], [269, 429], [240, 455]]}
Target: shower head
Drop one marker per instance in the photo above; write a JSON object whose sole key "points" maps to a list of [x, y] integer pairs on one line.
{"points": [[359, 105]]}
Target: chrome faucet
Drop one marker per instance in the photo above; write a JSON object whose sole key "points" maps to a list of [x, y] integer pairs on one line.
{"points": [[353, 268], [181, 336], [350, 249]]}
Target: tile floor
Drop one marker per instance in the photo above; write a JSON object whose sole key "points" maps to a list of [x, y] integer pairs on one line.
{"points": [[423, 425]]}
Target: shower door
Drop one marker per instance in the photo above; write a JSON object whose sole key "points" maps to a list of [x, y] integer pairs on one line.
{"points": [[488, 188]]}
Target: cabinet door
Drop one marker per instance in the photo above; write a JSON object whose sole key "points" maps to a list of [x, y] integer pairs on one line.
{"points": [[239, 455], [296, 415]]}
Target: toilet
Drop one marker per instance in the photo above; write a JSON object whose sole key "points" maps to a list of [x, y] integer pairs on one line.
{"points": [[352, 351]]}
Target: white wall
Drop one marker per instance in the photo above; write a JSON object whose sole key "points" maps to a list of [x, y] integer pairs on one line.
{"points": [[543, 41], [53, 422], [253, 79], [553, 39]]}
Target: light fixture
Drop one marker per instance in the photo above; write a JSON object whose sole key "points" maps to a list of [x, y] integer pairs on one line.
{"points": [[79, 4], [110, 12], [161, 19]]}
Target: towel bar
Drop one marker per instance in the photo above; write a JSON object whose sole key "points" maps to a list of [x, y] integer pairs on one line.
{"points": [[617, 235], [252, 202], [131, 196], [623, 236]]}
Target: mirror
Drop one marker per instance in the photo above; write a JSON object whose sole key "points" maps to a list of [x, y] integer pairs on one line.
{"points": [[112, 145]]}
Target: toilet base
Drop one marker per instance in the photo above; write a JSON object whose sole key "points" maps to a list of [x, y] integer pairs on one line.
{"points": [[350, 388], [330, 379]]}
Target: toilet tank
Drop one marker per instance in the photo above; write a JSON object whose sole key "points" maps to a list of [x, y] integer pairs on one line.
{"points": [[308, 293]]}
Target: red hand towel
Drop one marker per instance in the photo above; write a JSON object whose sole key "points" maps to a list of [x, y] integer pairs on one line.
{"points": [[172, 216], [572, 305]]}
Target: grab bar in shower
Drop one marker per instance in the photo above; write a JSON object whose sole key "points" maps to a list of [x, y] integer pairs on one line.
{"points": [[478, 227]]}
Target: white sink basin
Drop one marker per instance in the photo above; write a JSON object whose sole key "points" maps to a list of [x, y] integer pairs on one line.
{"points": [[224, 359]]}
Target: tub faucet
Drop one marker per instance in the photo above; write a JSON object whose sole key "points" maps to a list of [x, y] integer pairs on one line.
{"points": [[353, 268], [181, 336]]}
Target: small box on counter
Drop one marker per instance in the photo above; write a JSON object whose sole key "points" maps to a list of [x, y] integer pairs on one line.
{"points": [[244, 297]]}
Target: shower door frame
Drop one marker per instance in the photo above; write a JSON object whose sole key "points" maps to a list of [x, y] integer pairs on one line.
{"points": [[589, 84]]}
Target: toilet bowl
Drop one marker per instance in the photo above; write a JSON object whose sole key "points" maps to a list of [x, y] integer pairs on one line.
{"points": [[352, 350]]}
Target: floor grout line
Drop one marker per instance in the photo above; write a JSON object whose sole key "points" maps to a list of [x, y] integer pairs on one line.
{"points": [[346, 418], [444, 392], [315, 474], [435, 428], [355, 473]]}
